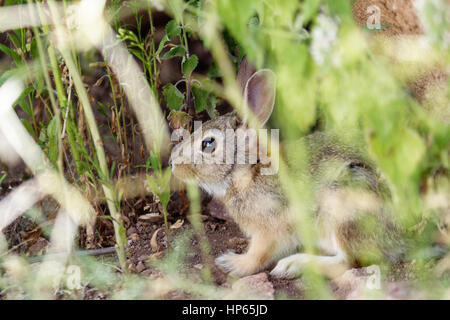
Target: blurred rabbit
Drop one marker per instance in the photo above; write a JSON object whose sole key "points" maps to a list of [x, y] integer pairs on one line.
{"points": [[349, 212]]}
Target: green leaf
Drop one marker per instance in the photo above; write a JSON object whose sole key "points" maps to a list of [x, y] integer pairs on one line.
{"points": [[8, 74], [211, 106], [200, 98], [111, 171], [2, 178], [178, 119], [173, 97], [153, 185], [309, 9], [28, 126], [178, 51], [172, 29], [34, 49], [23, 103], [213, 71], [155, 161], [137, 54], [52, 135], [11, 53], [204, 100], [165, 186], [14, 39], [161, 45], [189, 65]]}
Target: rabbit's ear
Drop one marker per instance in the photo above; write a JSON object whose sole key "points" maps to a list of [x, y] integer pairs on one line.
{"points": [[258, 88], [246, 70], [260, 93]]}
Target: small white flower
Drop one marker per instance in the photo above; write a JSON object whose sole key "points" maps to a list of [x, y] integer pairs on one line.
{"points": [[324, 37], [157, 4]]}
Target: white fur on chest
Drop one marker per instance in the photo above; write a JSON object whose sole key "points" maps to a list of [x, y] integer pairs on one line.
{"points": [[217, 189]]}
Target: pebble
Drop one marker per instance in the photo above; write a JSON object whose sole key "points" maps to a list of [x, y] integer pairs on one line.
{"points": [[257, 285], [131, 230], [134, 237], [140, 267]]}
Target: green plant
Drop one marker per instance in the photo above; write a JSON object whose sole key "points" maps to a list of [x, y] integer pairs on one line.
{"points": [[159, 183], [176, 100], [2, 178]]}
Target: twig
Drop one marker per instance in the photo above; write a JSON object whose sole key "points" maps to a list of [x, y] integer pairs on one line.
{"points": [[93, 252]]}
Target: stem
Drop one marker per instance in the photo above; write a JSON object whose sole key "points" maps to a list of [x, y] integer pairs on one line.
{"points": [[98, 144], [166, 224], [195, 219], [110, 196], [56, 109]]}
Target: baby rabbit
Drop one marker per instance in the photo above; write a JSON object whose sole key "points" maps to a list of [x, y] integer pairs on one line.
{"points": [[349, 213]]}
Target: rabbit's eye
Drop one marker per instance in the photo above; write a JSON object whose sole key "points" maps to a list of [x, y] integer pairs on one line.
{"points": [[209, 145]]}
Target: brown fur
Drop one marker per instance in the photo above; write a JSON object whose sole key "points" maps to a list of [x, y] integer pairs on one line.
{"points": [[351, 218]]}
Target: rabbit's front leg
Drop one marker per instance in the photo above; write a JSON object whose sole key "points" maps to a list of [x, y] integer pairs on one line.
{"points": [[258, 256], [332, 265]]}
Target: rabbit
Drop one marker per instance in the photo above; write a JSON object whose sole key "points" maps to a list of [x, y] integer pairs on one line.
{"points": [[345, 185]]}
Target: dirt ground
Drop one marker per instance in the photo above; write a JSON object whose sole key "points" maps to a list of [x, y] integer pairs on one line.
{"points": [[147, 241], [222, 236]]}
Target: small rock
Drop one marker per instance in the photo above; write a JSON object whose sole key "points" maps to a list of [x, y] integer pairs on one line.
{"points": [[143, 257], [366, 283], [134, 237], [217, 209], [131, 230], [140, 267], [176, 295], [257, 286], [351, 285]]}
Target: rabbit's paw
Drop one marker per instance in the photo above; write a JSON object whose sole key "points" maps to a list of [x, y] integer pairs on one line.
{"points": [[236, 264], [290, 267]]}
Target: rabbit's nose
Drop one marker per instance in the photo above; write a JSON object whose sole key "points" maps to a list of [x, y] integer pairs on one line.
{"points": [[171, 164]]}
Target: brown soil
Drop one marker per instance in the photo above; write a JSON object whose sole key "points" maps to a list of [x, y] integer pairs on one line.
{"points": [[222, 236]]}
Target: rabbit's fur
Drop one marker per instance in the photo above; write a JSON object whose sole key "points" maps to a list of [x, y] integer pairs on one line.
{"points": [[350, 215]]}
